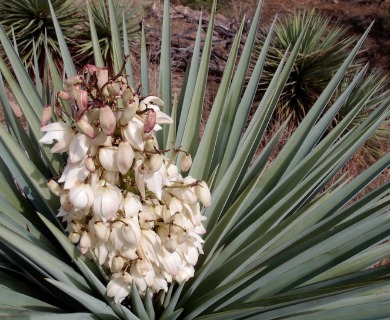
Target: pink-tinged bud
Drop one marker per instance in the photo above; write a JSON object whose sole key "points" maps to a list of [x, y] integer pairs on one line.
{"points": [[74, 80], [54, 187], [154, 162], [85, 127], [150, 121], [102, 230], [85, 242], [46, 115], [128, 112], [185, 162], [90, 165], [74, 237], [102, 77], [113, 88], [91, 69], [125, 157], [107, 120], [63, 95], [117, 264], [203, 193], [82, 101]]}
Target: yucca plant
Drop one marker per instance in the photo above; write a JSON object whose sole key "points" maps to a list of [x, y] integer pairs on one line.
{"points": [[325, 47], [277, 244], [29, 24]]}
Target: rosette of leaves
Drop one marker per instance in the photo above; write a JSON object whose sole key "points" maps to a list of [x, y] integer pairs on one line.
{"points": [[29, 24], [325, 47], [282, 240]]}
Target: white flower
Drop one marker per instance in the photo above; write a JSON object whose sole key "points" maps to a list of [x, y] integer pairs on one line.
{"points": [[133, 133], [154, 183], [132, 205], [59, 132], [131, 232], [119, 286], [107, 201], [73, 174], [125, 157], [81, 196], [108, 158], [79, 147]]}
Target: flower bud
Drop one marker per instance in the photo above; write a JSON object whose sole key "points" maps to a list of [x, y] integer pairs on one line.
{"points": [[102, 77], [46, 115], [74, 237], [185, 162], [125, 157], [63, 95], [113, 88], [54, 187], [81, 101], [203, 193], [128, 112], [85, 127], [90, 165], [85, 242], [150, 121], [107, 120], [74, 80], [127, 95]]}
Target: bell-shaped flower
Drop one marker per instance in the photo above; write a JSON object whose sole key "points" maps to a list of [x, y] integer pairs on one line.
{"points": [[107, 201], [133, 134], [119, 286], [59, 133], [108, 158], [154, 162], [154, 183], [102, 230], [150, 246], [125, 157], [81, 196], [107, 120], [101, 251], [131, 205], [79, 147], [117, 263], [73, 174], [131, 232]]}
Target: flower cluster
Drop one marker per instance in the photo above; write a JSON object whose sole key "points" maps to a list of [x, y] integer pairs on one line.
{"points": [[121, 197]]}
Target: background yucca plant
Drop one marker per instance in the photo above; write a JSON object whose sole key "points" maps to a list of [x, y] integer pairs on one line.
{"points": [[29, 23], [277, 245], [325, 47]]}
